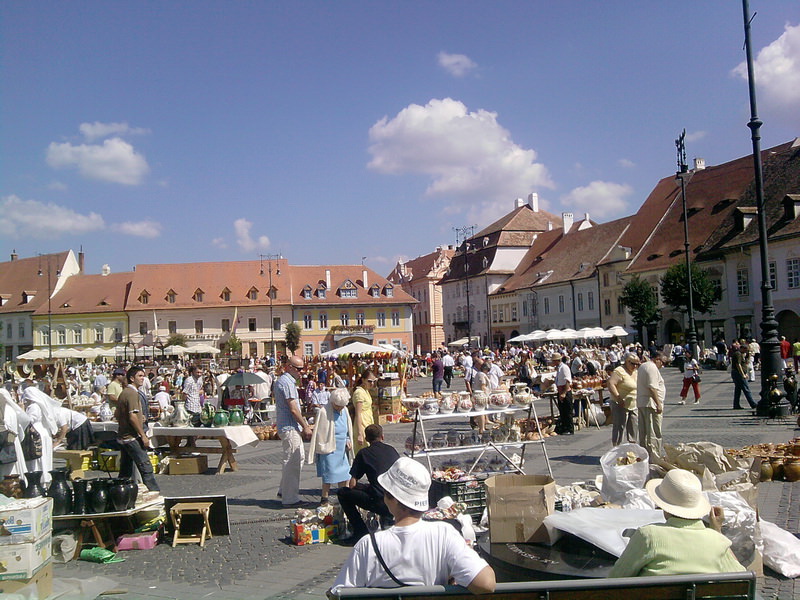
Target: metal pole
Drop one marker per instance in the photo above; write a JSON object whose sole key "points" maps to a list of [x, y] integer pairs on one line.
{"points": [[271, 318], [770, 343], [49, 314], [682, 175]]}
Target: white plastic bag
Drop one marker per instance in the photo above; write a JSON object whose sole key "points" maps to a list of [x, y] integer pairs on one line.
{"points": [[618, 479], [781, 550]]}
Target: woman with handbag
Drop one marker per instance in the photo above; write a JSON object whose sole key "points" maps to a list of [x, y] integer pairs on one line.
{"points": [[40, 409], [13, 421], [691, 377]]}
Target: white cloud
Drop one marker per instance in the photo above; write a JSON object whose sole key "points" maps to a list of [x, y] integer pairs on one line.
{"points": [[145, 229], [31, 218], [115, 160], [95, 131], [457, 65], [219, 243], [57, 186], [468, 155], [695, 136], [626, 163], [777, 72], [600, 198], [245, 241]]}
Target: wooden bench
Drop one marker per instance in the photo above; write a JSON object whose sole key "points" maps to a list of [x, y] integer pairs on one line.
{"points": [[717, 586]]}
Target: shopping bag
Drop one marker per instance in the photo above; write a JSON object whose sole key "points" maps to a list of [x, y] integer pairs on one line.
{"points": [[625, 467]]}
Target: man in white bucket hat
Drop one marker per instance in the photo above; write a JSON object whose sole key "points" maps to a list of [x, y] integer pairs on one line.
{"points": [[683, 545], [413, 551]]}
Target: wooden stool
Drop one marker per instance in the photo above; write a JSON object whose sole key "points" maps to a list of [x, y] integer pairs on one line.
{"points": [[177, 512], [89, 525]]}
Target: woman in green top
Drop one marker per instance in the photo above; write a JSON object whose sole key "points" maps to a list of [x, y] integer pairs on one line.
{"points": [[683, 545], [622, 387]]}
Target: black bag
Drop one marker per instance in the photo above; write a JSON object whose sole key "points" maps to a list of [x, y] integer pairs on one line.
{"points": [[8, 452], [523, 371], [32, 444]]}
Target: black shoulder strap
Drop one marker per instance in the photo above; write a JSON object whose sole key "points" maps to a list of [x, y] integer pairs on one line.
{"points": [[383, 563]]}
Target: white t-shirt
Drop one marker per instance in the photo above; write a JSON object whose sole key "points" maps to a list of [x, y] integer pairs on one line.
{"points": [[648, 377], [262, 391], [66, 416], [690, 369], [425, 553], [563, 374]]}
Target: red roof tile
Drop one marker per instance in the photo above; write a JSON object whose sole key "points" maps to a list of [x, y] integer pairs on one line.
{"points": [[90, 294], [22, 275]]}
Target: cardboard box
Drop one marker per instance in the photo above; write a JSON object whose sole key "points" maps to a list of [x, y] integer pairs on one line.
{"points": [[25, 520], [138, 541], [517, 507], [304, 534], [188, 465], [42, 580], [78, 461], [384, 419], [22, 561]]}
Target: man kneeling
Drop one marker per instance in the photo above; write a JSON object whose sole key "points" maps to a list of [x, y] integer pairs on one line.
{"points": [[413, 551]]}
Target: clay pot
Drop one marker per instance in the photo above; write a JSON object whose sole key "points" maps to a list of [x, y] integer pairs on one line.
{"points": [[118, 494], [79, 487], [236, 416], [791, 469], [795, 448], [34, 488], [98, 497], [60, 492], [777, 468], [766, 470]]}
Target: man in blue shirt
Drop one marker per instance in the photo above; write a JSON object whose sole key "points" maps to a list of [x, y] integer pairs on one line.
{"points": [[290, 422]]}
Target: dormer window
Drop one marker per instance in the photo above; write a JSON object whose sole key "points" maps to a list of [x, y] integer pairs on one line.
{"points": [[225, 295], [272, 294], [4, 298], [375, 291], [198, 295], [28, 295], [307, 292], [485, 262], [171, 296], [144, 297], [322, 292], [348, 290], [389, 290], [253, 293]]}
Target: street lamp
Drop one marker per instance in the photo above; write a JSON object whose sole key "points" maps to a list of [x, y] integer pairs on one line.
{"points": [[770, 344], [466, 232], [682, 175], [270, 258], [49, 308]]}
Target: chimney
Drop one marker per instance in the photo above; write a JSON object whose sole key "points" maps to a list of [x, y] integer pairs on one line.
{"points": [[328, 278], [14, 255], [699, 164], [533, 201], [105, 270], [586, 217], [549, 226], [567, 219], [364, 278], [81, 258], [519, 202]]}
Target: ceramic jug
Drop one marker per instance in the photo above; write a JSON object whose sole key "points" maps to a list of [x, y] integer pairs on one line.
{"points": [[60, 492], [236, 416], [98, 497], [207, 414], [79, 487], [181, 417], [221, 418], [33, 489]]}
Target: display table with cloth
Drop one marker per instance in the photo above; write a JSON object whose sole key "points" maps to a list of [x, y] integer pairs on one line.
{"points": [[229, 439], [115, 523]]}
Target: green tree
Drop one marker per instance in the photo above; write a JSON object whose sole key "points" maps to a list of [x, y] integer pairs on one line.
{"points": [[705, 293], [641, 301], [293, 334], [234, 344], [176, 339]]}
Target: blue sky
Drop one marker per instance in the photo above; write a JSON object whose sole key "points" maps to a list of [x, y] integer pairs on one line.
{"points": [[330, 131]]}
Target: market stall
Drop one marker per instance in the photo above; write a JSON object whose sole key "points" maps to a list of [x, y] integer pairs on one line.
{"points": [[227, 438]]}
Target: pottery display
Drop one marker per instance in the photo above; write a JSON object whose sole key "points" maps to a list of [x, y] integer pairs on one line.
{"points": [[221, 418], [33, 487], [412, 404], [180, 417], [522, 396], [480, 399], [499, 399], [60, 492], [165, 420], [448, 404], [236, 416], [98, 501], [79, 489], [207, 414], [430, 407], [106, 414], [465, 403], [11, 486]]}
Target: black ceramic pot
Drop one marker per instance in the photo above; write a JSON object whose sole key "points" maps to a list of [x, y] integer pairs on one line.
{"points": [[118, 494], [79, 487], [60, 492], [33, 487], [98, 497]]}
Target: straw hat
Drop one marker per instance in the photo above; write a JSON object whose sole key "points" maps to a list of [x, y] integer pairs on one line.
{"points": [[680, 493], [408, 481], [555, 356]]}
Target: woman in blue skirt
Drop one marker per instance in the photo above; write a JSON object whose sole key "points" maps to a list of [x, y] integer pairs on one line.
{"points": [[332, 442]]}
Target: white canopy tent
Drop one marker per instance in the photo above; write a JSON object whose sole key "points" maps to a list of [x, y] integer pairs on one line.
{"points": [[203, 349], [33, 355], [464, 341], [356, 348], [175, 349], [616, 330]]}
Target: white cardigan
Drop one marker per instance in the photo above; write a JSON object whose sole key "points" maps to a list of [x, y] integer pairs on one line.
{"points": [[323, 440]]}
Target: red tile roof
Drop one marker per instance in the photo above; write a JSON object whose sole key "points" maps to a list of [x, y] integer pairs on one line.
{"points": [[21, 275], [422, 266], [90, 294]]}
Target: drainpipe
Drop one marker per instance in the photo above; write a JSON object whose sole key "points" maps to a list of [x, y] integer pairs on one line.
{"points": [[574, 314]]}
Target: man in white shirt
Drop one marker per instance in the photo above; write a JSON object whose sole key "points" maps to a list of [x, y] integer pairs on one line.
{"points": [[495, 374], [566, 425], [263, 391], [414, 552], [650, 394], [448, 362], [163, 398]]}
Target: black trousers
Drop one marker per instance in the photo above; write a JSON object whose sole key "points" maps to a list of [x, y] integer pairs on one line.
{"points": [[565, 413], [448, 375], [362, 496]]}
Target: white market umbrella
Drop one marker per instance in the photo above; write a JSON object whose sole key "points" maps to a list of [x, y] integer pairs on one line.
{"points": [[569, 334], [176, 349], [115, 351], [66, 353], [90, 353], [616, 330], [520, 338], [464, 341], [538, 334], [354, 348], [33, 355], [203, 349], [390, 348], [554, 334]]}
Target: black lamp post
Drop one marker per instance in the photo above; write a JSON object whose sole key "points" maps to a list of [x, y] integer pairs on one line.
{"points": [[466, 232], [49, 308], [682, 175], [270, 258], [770, 343]]}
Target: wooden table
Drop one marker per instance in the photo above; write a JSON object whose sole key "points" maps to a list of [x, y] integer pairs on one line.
{"points": [[229, 439]]}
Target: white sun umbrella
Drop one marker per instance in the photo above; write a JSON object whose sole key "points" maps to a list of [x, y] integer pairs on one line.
{"points": [[90, 353], [175, 349], [554, 334], [66, 353], [617, 331], [33, 355], [202, 349], [115, 351], [538, 334], [353, 348], [390, 348], [520, 338], [570, 334]]}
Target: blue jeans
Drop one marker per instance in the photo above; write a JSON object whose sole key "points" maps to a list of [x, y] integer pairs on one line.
{"points": [[740, 386], [437, 385], [132, 453]]}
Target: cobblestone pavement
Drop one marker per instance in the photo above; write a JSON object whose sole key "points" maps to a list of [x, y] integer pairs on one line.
{"points": [[257, 561]]}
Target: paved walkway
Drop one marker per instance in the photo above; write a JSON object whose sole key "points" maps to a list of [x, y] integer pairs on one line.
{"points": [[257, 561]]}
